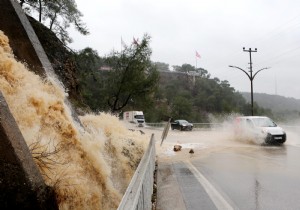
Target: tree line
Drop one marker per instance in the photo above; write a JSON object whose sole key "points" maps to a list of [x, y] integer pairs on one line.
{"points": [[129, 80]]}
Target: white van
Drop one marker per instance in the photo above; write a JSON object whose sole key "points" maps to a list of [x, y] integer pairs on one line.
{"points": [[260, 129], [135, 117]]}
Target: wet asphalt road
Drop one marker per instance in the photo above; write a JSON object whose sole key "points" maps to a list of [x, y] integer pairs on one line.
{"points": [[226, 174]]}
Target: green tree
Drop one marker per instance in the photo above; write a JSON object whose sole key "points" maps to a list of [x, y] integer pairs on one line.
{"points": [[181, 108], [92, 83], [133, 77], [203, 73], [160, 66], [58, 14], [88, 62], [187, 67], [184, 68]]}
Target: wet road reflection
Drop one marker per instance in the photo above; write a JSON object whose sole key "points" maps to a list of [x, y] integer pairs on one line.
{"points": [[229, 173], [255, 177]]}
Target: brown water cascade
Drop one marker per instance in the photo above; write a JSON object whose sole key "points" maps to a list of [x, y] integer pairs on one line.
{"points": [[89, 166]]}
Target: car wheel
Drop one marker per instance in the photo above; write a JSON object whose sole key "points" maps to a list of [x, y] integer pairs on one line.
{"points": [[268, 139]]}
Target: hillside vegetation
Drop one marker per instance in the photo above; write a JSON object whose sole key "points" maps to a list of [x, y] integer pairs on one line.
{"points": [[129, 80], [196, 98], [283, 108], [176, 94]]}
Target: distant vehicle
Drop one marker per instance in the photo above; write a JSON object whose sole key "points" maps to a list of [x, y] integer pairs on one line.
{"points": [[182, 125], [135, 117], [259, 129]]}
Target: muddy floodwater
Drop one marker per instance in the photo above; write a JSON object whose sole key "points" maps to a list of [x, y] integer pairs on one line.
{"points": [[89, 164], [205, 141], [226, 173]]}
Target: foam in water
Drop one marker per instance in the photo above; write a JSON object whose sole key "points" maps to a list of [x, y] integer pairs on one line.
{"points": [[90, 166]]}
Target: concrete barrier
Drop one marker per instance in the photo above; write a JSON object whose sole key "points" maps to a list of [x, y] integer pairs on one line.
{"points": [[140, 189], [21, 184]]}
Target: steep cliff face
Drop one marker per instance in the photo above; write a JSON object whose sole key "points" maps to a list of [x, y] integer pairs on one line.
{"points": [[60, 57]]}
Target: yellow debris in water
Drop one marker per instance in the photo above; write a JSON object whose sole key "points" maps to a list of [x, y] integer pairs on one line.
{"points": [[90, 166]]}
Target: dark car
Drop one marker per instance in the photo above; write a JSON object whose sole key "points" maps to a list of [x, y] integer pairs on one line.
{"points": [[182, 125]]}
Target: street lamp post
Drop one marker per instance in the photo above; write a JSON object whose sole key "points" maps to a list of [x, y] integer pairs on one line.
{"points": [[251, 76]]}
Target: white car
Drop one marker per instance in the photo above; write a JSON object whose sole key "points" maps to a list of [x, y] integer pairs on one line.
{"points": [[259, 129]]}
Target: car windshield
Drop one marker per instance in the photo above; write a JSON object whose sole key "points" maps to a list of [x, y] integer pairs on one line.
{"points": [[263, 122], [182, 121], [139, 116]]}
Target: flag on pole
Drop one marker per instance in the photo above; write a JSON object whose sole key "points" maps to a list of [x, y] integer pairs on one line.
{"points": [[135, 41], [198, 55]]}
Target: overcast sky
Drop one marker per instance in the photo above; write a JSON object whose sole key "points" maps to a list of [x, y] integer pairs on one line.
{"points": [[217, 29]]}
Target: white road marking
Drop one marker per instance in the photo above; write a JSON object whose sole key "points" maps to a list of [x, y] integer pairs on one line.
{"points": [[214, 195]]}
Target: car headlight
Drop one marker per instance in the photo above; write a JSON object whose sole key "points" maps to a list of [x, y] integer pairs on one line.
{"points": [[264, 131]]}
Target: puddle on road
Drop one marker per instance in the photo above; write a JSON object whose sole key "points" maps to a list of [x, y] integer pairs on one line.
{"points": [[169, 151], [206, 142]]}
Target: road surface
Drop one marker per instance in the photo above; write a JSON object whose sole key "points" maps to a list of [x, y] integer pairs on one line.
{"points": [[224, 173]]}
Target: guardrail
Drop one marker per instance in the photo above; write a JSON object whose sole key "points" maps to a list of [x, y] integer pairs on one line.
{"points": [[156, 125], [197, 126], [140, 189]]}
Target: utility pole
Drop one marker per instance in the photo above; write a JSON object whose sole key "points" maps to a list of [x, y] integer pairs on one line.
{"points": [[250, 76]]}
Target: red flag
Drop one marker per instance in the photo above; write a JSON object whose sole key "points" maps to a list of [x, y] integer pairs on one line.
{"points": [[198, 55]]}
